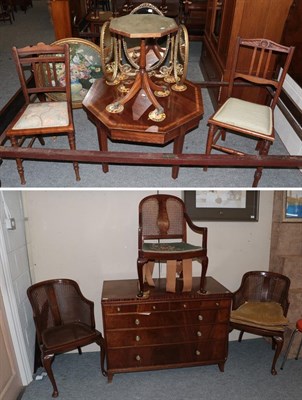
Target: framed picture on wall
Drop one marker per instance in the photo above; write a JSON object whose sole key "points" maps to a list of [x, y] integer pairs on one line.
{"points": [[222, 205], [292, 206]]}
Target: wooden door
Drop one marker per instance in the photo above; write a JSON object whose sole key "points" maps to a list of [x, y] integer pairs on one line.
{"points": [[292, 37], [10, 380]]}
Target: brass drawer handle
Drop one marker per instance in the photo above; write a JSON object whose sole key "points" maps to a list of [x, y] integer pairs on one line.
{"points": [[138, 358], [153, 307], [137, 321], [137, 338], [118, 309], [199, 333], [200, 317], [217, 304], [197, 352], [185, 306]]}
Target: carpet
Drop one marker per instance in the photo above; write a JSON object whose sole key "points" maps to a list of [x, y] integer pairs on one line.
{"points": [[247, 376]]}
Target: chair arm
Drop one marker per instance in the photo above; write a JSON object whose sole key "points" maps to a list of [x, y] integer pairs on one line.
{"points": [[285, 305], [85, 310], [198, 229], [238, 299]]}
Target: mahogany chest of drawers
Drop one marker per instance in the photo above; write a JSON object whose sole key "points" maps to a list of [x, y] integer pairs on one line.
{"points": [[165, 330]]}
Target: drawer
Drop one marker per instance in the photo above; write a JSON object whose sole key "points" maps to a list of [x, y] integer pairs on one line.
{"points": [[156, 356], [157, 336], [163, 319], [144, 307], [200, 304]]}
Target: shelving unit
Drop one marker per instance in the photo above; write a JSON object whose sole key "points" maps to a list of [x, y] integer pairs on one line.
{"points": [[227, 19]]}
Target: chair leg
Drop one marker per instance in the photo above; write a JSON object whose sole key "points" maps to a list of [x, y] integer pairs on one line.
{"points": [[20, 168], [279, 344], [140, 264], [71, 140], [223, 134], [204, 267], [80, 351], [101, 343], [240, 336], [47, 361], [299, 349], [288, 348], [210, 139], [41, 140], [263, 151]]}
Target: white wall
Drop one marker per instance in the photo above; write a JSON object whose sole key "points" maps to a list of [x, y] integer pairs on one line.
{"points": [[91, 236]]}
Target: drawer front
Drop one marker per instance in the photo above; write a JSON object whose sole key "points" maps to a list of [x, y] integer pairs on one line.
{"points": [[162, 319], [144, 307], [166, 306], [200, 305], [156, 356], [154, 336]]}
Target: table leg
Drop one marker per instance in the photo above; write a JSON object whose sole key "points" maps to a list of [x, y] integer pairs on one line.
{"points": [[103, 144], [177, 149]]}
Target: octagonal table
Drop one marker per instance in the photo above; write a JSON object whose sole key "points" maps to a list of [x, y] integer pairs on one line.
{"points": [[133, 125]]}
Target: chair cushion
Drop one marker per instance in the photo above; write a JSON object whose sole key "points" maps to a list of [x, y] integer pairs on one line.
{"points": [[178, 247], [262, 314], [43, 115], [247, 115], [63, 335]]}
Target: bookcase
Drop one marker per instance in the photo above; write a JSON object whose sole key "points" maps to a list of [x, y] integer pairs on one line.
{"points": [[227, 19]]}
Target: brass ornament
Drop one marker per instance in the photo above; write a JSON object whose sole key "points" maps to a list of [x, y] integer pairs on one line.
{"points": [[156, 115], [115, 108]]}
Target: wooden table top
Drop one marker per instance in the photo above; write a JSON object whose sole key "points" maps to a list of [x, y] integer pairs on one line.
{"points": [[183, 109], [143, 26]]}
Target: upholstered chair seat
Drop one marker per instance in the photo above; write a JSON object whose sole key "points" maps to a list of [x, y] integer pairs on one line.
{"points": [[43, 115], [243, 114], [267, 315], [178, 247]]}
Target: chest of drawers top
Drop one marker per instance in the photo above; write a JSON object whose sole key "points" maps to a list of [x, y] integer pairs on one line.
{"points": [[125, 291]]}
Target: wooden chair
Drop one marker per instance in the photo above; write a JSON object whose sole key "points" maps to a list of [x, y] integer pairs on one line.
{"points": [[47, 109], [260, 307], [64, 321], [246, 118], [162, 236], [6, 11]]}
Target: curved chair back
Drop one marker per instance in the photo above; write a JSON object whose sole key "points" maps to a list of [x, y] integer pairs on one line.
{"points": [[162, 217]]}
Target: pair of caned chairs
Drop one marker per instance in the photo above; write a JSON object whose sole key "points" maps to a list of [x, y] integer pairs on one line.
{"points": [[39, 118]]}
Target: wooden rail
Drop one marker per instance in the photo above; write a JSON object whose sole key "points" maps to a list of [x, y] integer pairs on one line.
{"points": [[138, 158]]}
